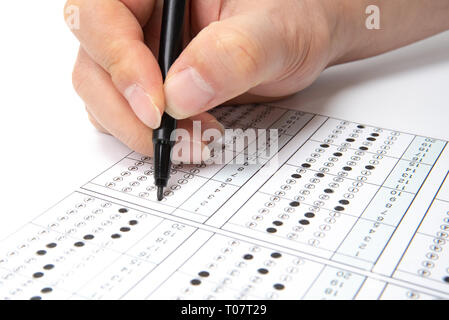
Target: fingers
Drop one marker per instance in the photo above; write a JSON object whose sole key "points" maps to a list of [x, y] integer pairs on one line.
{"points": [[225, 60], [95, 123], [190, 147], [109, 112], [112, 36], [141, 9], [108, 107]]}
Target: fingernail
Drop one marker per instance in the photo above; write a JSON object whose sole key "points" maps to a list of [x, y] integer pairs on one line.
{"points": [[143, 106], [187, 93], [190, 152]]}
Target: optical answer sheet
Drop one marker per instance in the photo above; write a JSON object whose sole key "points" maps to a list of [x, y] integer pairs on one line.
{"points": [[343, 211]]}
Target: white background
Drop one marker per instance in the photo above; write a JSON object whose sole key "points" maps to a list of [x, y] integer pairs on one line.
{"points": [[48, 147]]}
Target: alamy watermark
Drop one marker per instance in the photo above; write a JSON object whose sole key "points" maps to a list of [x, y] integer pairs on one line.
{"points": [[235, 146], [72, 17], [373, 20]]}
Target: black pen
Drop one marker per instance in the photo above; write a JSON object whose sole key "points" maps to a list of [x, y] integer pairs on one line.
{"points": [[171, 45]]}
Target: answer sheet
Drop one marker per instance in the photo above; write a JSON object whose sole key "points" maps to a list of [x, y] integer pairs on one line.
{"points": [[343, 210]]}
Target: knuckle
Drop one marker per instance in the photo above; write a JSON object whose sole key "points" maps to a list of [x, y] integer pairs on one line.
{"points": [[93, 122], [113, 56], [119, 57], [239, 51], [140, 143], [79, 78]]}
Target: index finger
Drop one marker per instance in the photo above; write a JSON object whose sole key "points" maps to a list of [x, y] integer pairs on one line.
{"points": [[112, 36]]}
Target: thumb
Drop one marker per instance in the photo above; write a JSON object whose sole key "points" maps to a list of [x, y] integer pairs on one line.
{"points": [[225, 60]]}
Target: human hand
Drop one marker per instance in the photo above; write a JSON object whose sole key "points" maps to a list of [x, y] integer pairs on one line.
{"points": [[259, 48], [238, 50]]}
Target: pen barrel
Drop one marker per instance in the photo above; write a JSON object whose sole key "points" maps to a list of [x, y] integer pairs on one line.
{"points": [[162, 164], [163, 142], [166, 130], [171, 45], [172, 35]]}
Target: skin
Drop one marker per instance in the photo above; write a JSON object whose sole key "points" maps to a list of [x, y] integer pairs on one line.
{"points": [[237, 51]]}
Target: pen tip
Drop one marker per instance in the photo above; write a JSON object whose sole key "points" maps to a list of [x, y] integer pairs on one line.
{"points": [[160, 193]]}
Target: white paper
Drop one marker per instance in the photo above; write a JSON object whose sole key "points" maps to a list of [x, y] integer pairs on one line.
{"points": [[54, 163], [344, 211]]}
